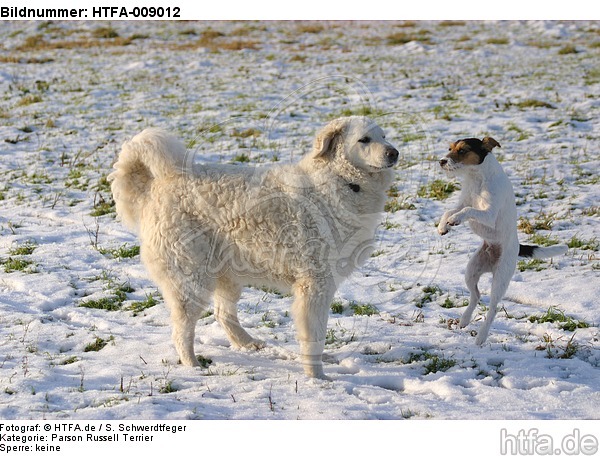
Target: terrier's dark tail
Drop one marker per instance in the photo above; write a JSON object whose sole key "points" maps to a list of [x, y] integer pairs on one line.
{"points": [[535, 251]]}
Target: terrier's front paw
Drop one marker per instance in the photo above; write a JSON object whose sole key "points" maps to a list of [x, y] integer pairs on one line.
{"points": [[454, 220]]}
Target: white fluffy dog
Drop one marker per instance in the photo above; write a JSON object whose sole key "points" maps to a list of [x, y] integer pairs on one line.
{"points": [[209, 230], [487, 202]]}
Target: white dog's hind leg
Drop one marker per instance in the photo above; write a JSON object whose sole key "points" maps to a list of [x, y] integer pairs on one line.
{"points": [[503, 271], [187, 301], [477, 266], [226, 297], [184, 330], [312, 298], [495, 297]]}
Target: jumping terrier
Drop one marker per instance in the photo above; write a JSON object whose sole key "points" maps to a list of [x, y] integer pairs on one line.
{"points": [[487, 202]]}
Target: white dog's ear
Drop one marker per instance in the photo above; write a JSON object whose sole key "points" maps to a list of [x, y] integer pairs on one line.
{"points": [[489, 143], [327, 139]]}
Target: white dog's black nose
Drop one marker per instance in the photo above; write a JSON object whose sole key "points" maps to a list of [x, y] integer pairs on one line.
{"points": [[392, 155]]}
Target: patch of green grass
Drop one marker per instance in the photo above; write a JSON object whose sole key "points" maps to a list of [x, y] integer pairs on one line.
{"points": [[241, 158], [250, 132], [97, 345], [110, 303], [337, 307], [138, 307], [582, 244], [434, 363], [103, 207], [389, 225], [69, 360], [363, 110], [29, 99], [438, 189], [103, 185], [543, 240], [397, 204], [555, 315], [534, 264], [429, 294], [533, 103], [74, 180], [105, 33], [450, 303], [402, 37], [438, 364], [204, 362], [498, 40], [592, 76], [123, 251], [26, 248], [523, 134], [363, 309], [542, 221], [452, 23], [167, 388], [310, 28], [568, 49], [13, 264], [554, 349]]}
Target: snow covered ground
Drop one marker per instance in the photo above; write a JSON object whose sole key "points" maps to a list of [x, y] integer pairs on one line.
{"points": [[83, 331]]}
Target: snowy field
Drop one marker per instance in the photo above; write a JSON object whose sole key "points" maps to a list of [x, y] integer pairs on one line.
{"points": [[84, 333]]}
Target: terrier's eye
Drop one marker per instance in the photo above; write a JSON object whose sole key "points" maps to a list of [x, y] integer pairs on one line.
{"points": [[365, 140], [462, 152]]}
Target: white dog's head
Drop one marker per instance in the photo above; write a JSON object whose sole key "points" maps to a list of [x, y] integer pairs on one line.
{"points": [[360, 140], [467, 154]]}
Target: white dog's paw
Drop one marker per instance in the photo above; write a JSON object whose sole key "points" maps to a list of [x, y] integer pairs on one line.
{"points": [[454, 220], [480, 339], [254, 344], [464, 322], [330, 359], [316, 372], [248, 343], [442, 229]]}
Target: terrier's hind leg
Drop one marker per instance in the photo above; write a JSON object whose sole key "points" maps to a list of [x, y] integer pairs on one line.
{"points": [[503, 271], [478, 265]]}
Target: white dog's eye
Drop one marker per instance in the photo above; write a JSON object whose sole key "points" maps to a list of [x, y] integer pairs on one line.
{"points": [[365, 140]]}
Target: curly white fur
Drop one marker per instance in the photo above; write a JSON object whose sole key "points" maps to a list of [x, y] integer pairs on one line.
{"points": [[209, 230]]}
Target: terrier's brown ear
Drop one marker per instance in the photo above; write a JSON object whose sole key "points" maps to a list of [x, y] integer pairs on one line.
{"points": [[489, 143]]}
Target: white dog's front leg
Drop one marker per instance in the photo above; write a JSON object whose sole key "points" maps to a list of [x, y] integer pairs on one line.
{"points": [[312, 358], [311, 311], [443, 225], [487, 218]]}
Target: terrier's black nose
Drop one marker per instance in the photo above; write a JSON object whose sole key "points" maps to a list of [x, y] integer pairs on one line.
{"points": [[443, 161], [392, 155]]}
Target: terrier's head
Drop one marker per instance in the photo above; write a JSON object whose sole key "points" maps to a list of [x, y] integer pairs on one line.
{"points": [[467, 153]]}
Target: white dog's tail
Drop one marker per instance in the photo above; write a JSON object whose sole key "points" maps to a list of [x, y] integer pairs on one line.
{"points": [[150, 155], [535, 251]]}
